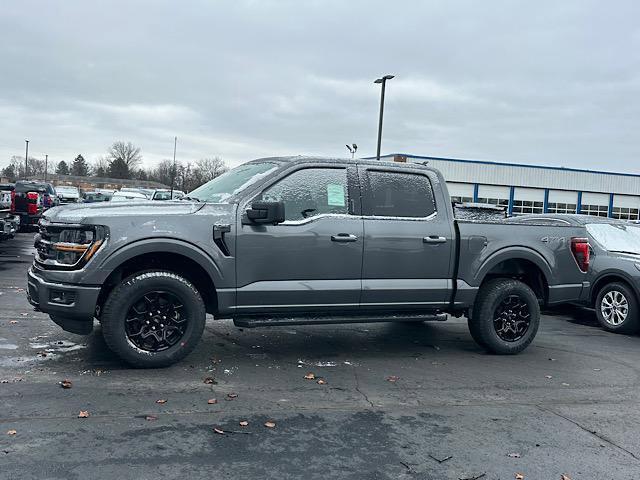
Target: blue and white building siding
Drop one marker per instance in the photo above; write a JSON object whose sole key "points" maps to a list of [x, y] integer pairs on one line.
{"points": [[537, 188]]}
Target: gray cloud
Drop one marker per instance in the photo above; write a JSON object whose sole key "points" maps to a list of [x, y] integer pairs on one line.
{"points": [[542, 82]]}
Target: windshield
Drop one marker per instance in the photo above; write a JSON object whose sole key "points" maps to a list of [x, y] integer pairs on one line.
{"points": [[234, 181], [616, 238]]}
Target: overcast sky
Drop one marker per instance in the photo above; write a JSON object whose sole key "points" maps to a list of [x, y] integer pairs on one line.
{"points": [[548, 82]]}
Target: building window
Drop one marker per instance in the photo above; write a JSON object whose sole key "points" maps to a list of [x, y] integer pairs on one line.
{"points": [[561, 208], [625, 213], [504, 202], [521, 207], [595, 210], [458, 199]]}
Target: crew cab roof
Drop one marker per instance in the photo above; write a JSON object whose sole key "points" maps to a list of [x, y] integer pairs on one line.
{"points": [[384, 162]]}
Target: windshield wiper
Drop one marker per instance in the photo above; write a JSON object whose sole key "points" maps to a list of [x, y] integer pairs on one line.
{"points": [[625, 251], [191, 198]]}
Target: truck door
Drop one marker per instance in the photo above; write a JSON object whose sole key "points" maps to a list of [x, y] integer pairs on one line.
{"points": [[312, 261], [408, 243]]}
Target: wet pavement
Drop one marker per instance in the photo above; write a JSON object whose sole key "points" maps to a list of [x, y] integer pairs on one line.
{"points": [[395, 401]]}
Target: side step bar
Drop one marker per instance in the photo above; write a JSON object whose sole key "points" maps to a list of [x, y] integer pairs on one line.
{"points": [[259, 321]]}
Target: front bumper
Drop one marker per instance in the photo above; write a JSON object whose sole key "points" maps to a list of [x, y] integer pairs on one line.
{"points": [[70, 306]]}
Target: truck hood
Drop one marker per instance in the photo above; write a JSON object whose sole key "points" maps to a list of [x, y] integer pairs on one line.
{"points": [[96, 213]]}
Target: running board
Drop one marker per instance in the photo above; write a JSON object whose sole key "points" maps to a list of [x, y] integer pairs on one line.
{"points": [[260, 321]]}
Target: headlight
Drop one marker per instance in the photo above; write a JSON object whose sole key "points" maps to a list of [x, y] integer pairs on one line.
{"points": [[68, 246]]}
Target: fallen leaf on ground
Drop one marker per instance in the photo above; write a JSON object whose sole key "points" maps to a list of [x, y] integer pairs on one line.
{"points": [[393, 378], [270, 424], [552, 359], [218, 431], [150, 418], [161, 401], [83, 414], [232, 395], [13, 322], [564, 477], [212, 401], [24, 314], [210, 381], [66, 383], [519, 476], [513, 455], [321, 382], [244, 423], [11, 432], [309, 376], [548, 376]]}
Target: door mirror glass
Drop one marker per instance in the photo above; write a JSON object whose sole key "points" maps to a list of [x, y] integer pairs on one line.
{"points": [[266, 213]]}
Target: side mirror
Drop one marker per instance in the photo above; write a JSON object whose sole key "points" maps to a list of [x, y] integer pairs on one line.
{"points": [[265, 213]]}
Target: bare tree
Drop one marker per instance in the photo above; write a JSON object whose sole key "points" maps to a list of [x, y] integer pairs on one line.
{"points": [[100, 167], [210, 168], [127, 152]]}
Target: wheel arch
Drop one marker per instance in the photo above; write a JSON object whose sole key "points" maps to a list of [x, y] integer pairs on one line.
{"points": [[611, 277], [521, 264], [168, 254]]}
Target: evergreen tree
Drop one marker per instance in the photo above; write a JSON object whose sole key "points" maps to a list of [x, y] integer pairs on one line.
{"points": [[118, 169], [80, 167], [62, 168]]}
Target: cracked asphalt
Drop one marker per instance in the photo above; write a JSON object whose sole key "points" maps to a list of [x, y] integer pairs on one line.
{"points": [[400, 401]]}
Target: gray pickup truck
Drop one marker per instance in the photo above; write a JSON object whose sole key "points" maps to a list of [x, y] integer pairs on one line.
{"points": [[283, 241]]}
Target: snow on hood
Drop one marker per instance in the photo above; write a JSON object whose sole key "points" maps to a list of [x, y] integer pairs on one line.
{"points": [[92, 212]]}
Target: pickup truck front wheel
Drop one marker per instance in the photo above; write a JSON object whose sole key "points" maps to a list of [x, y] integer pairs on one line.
{"points": [[153, 319], [506, 316]]}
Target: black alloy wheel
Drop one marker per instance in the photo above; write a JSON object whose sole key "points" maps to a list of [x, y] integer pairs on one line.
{"points": [[156, 321], [512, 318]]}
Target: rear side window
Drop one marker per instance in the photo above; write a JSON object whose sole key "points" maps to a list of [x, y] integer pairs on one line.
{"points": [[398, 194]]}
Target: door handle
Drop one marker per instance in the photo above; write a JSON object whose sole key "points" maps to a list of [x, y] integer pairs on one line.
{"points": [[344, 237], [434, 239]]}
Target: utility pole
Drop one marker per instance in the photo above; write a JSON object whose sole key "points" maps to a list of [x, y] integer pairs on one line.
{"points": [[173, 172], [46, 166], [383, 81], [26, 159]]}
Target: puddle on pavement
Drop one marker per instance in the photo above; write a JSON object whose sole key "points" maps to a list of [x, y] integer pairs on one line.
{"points": [[45, 350]]}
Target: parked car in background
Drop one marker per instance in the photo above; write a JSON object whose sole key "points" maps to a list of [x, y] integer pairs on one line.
{"points": [[9, 225], [144, 191], [165, 194], [93, 197], [28, 202], [283, 241], [128, 197], [5, 195], [68, 194], [614, 267]]}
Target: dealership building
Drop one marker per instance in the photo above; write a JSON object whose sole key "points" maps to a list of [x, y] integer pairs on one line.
{"points": [[538, 188]]}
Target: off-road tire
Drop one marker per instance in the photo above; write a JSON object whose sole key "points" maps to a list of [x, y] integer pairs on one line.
{"points": [[489, 298], [130, 290]]}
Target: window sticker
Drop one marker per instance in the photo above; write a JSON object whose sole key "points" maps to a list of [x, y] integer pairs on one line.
{"points": [[335, 195]]}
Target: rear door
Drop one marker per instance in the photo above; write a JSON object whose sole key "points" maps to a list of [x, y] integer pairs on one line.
{"points": [[408, 242], [312, 261]]}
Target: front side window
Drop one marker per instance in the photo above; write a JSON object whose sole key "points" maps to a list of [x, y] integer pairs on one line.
{"points": [[310, 192], [395, 194]]}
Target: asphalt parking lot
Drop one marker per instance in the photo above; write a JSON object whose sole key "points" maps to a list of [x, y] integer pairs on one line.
{"points": [[395, 401]]}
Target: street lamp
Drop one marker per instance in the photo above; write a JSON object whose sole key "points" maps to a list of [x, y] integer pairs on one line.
{"points": [[383, 81], [26, 159]]}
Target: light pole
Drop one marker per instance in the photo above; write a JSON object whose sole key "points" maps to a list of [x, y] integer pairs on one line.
{"points": [[383, 81], [173, 172], [26, 159], [46, 166]]}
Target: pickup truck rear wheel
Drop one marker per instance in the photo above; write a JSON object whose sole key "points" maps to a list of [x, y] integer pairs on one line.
{"points": [[153, 319], [617, 308], [506, 316]]}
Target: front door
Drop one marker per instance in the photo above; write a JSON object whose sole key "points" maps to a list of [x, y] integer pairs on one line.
{"points": [[408, 244], [312, 261]]}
